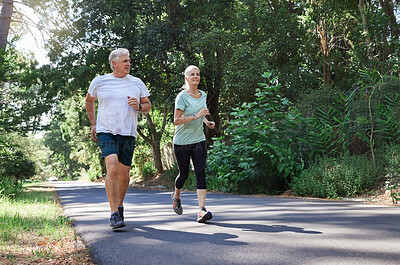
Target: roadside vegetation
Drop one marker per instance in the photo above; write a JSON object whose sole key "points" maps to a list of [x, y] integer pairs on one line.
{"points": [[34, 229]]}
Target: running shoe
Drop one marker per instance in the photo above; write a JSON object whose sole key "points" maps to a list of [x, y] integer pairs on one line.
{"points": [[204, 215], [116, 221], [176, 203], [121, 212]]}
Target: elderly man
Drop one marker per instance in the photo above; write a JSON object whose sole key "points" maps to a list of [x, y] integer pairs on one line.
{"points": [[120, 99]]}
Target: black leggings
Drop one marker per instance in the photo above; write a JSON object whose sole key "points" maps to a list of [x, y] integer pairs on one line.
{"points": [[198, 153]]}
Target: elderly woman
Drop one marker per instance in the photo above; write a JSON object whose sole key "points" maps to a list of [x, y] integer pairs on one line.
{"points": [[190, 141]]}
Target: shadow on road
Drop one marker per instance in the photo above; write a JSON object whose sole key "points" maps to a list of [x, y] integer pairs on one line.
{"points": [[182, 237], [267, 228]]}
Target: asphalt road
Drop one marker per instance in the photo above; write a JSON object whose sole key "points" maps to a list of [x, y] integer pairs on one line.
{"points": [[244, 230]]}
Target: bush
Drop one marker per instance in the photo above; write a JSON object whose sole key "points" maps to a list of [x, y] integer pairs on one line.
{"points": [[10, 187], [392, 156], [336, 177], [148, 170], [171, 173], [392, 177], [262, 153]]}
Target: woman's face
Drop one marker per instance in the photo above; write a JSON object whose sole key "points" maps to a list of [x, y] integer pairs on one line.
{"points": [[194, 77]]}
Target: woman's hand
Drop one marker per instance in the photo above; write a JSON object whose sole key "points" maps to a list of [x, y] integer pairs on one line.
{"points": [[210, 124], [202, 113]]}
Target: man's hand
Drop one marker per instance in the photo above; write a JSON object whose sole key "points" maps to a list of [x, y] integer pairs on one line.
{"points": [[93, 133], [134, 103]]}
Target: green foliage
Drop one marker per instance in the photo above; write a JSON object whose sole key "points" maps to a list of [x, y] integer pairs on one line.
{"points": [[10, 187], [261, 153], [74, 153], [392, 156], [333, 129], [336, 177], [171, 173], [148, 170], [14, 162]]}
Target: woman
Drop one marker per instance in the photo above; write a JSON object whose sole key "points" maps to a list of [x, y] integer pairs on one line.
{"points": [[190, 141]]}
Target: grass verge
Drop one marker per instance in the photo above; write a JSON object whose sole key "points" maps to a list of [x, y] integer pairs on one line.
{"points": [[34, 230]]}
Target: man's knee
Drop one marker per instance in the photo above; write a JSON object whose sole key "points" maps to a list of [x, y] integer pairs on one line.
{"points": [[112, 165]]}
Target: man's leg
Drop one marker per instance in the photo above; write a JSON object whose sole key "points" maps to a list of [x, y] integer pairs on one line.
{"points": [[123, 182], [112, 181]]}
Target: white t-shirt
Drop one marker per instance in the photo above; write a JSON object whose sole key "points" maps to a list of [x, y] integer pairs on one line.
{"points": [[114, 115]]}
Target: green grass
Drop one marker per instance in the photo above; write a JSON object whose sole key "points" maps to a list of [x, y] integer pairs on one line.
{"points": [[34, 228]]}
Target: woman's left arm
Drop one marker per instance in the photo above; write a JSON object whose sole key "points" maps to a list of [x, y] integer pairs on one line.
{"points": [[210, 124]]}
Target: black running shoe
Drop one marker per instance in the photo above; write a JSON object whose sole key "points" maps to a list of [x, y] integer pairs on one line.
{"points": [[176, 203], [204, 215], [116, 221], [121, 212]]}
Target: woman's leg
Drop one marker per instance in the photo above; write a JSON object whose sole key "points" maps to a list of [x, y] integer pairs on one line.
{"points": [[199, 157], [182, 155], [201, 197]]}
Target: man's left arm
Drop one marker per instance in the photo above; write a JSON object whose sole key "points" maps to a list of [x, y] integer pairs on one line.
{"points": [[146, 105]]}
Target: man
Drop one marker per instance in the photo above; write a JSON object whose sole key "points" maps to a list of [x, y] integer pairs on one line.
{"points": [[120, 98]]}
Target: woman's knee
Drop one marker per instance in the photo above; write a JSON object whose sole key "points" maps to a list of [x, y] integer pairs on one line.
{"points": [[180, 180]]}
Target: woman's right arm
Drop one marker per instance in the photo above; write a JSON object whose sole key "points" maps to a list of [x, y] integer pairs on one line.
{"points": [[179, 120]]}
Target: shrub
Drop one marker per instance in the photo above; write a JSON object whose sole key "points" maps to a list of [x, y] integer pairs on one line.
{"points": [[392, 158], [10, 187], [148, 170], [171, 173], [336, 177], [262, 152]]}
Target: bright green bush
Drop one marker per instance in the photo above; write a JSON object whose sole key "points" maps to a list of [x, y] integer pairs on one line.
{"points": [[262, 152], [337, 177], [10, 187], [148, 170]]}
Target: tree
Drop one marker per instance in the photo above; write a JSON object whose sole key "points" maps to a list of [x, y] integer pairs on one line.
{"points": [[5, 21]]}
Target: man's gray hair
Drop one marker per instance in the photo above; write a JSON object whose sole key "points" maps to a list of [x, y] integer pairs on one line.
{"points": [[115, 54]]}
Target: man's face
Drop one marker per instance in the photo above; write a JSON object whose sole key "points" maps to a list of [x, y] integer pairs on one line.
{"points": [[122, 67]]}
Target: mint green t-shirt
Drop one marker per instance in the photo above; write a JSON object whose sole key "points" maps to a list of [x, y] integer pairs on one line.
{"points": [[191, 132]]}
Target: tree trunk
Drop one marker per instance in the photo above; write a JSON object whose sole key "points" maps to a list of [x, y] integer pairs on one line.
{"points": [[154, 139], [156, 148], [361, 7], [155, 142], [5, 20], [213, 74], [388, 9], [325, 50], [291, 7]]}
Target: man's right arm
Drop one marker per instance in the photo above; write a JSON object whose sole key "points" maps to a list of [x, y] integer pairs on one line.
{"points": [[91, 112]]}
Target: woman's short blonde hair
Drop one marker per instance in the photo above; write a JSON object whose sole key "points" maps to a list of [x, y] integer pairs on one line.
{"points": [[187, 74]]}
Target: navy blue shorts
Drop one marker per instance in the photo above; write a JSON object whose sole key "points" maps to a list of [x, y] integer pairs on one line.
{"points": [[121, 145]]}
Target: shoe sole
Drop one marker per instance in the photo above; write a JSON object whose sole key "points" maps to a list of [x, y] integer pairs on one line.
{"points": [[205, 217], [118, 226]]}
